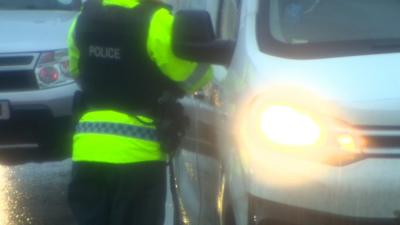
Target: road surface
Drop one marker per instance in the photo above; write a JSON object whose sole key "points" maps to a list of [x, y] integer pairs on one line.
{"points": [[35, 194]]}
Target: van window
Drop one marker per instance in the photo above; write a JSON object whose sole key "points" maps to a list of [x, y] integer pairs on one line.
{"points": [[305, 21], [40, 4], [364, 26], [228, 23]]}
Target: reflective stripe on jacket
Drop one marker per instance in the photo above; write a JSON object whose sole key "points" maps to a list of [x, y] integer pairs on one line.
{"points": [[113, 137]]}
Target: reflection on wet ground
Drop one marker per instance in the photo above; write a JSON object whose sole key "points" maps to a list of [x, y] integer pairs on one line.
{"points": [[36, 194], [10, 210], [4, 203]]}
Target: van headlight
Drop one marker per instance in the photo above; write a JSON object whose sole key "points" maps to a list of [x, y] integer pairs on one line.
{"points": [[297, 130], [52, 69], [285, 125]]}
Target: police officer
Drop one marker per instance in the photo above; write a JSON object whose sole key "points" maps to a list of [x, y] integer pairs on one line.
{"points": [[121, 54]]}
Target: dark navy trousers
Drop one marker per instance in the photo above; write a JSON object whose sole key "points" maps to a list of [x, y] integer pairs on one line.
{"points": [[113, 194]]}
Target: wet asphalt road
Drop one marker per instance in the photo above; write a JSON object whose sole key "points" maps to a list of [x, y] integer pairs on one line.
{"points": [[35, 194]]}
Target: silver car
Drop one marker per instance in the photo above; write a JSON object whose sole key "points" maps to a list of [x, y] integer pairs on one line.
{"points": [[302, 126], [36, 89]]}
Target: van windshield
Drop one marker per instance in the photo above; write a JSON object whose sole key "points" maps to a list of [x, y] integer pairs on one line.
{"points": [[40, 4], [310, 22]]}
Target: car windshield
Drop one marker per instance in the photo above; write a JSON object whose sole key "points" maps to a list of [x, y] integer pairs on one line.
{"points": [[40, 4], [309, 21]]}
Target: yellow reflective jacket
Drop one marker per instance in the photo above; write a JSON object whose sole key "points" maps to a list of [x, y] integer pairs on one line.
{"points": [[114, 137]]}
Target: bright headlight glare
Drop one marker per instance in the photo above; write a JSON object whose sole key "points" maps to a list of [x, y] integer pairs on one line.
{"points": [[52, 69], [285, 125], [304, 128], [349, 139]]}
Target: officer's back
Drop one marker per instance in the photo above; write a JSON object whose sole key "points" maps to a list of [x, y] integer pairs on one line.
{"points": [[121, 51]]}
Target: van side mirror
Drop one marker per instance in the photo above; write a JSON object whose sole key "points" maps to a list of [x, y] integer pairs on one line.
{"points": [[77, 4], [194, 39]]}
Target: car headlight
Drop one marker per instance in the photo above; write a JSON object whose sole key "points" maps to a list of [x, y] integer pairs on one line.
{"points": [[52, 69]]}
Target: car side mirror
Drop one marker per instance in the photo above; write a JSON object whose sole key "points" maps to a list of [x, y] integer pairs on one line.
{"points": [[194, 39]]}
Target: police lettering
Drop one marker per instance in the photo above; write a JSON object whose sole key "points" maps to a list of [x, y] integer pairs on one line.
{"points": [[104, 53]]}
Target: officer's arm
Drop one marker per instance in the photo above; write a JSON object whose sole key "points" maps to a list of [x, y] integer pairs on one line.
{"points": [[191, 76], [73, 51]]}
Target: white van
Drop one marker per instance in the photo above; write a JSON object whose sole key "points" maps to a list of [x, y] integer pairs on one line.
{"points": [[36, 89], [304, 127]]}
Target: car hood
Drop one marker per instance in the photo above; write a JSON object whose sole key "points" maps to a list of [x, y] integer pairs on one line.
{"points": [[366, 88], [34, 30]]}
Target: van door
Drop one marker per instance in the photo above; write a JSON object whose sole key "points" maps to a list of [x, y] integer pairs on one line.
{"points": [[197, 167]]}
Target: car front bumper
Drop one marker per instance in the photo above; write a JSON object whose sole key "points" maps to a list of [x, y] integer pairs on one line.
{"points": [[58, 100], [41, 117]]}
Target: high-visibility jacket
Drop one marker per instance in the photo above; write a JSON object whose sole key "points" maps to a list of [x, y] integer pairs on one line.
{"points": [[122, 53]]}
